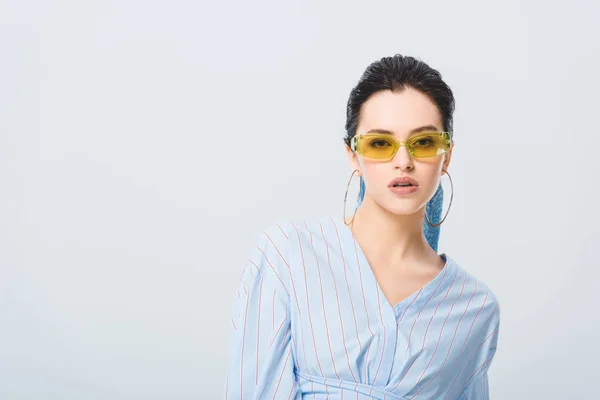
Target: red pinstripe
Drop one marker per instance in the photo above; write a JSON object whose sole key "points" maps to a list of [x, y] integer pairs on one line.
{"points": [[278, 329], [271, 265], [243, 345], [451, 343], [339, 306], [253, 265], [280, 255], [312, 388], [308, 302], [282, 231], [485, 388], [411, 303], [411, 364], [364, 302], [349, 292], [295, 296], [440, 337], [474, 373], [271, 366], [473, 323], [454, 337], [282, 371], [435, 312], [323, 305], [287, 336], [258, 327], [267, 380], [475, 352], [491, 315], [384, 338], [293, 288], [425, 305]]}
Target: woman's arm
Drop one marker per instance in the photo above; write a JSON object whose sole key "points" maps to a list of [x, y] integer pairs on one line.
{"points": [[261, 362], [478, 386], [477, 389]]}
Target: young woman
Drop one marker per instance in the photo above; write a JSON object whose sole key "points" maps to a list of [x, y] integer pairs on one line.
{"points": [[363, 307]]}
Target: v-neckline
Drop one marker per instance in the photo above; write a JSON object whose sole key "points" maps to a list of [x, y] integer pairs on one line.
{"points": [[438, 283]]}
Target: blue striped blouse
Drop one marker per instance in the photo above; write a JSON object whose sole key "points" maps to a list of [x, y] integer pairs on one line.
{"points": [[311, 322]]}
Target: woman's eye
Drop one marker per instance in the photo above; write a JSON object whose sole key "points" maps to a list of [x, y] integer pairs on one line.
{"points": [[379, 143], [423, 142]]}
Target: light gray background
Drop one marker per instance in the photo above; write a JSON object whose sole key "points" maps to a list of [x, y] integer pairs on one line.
{"points": [[144, 146]]}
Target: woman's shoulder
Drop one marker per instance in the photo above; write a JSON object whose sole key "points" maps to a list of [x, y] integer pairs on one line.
{"points": [[481, 294], [282, 230], [277, 237]]}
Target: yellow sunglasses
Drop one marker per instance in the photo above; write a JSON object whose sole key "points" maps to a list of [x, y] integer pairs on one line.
{"points": [[384, 146]]}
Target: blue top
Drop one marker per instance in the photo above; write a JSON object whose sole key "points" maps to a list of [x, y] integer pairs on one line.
{"points": [[311, 322]]}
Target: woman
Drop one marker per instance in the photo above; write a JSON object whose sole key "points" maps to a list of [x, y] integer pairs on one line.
{"points": [[364, 307]]}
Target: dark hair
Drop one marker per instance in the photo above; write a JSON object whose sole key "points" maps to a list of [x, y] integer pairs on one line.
{"points": [[397, 73]]}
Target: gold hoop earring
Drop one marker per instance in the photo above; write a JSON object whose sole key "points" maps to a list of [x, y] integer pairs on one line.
{"points": [[449, 206], [346, 196]]}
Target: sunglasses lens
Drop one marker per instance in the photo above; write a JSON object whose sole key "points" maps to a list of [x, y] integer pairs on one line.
{"points": [[374, 146], [429, 145], [384, 147]]}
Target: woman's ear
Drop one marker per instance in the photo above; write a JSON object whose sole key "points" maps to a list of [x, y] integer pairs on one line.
{"points": [[352, 159], [448, 157]]}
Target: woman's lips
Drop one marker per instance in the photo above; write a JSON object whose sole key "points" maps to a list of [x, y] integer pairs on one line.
{"points": [[403, 181], [403, 190]]}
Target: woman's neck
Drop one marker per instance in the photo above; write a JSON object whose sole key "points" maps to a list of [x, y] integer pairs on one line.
{"points": [[390, 239]]}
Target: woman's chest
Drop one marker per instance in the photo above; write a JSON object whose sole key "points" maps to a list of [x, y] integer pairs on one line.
{"points": [[397, 285]]}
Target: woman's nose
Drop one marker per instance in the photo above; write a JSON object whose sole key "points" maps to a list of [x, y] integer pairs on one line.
{"points": [[403, 160]]}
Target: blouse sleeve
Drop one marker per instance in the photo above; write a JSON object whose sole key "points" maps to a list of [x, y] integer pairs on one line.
{"points": [[261, 361], [478, 387]]}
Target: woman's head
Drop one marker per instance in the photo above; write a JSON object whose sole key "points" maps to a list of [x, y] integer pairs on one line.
{"points": [[401, 99]]}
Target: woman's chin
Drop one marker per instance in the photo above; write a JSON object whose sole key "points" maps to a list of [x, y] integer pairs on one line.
{"points": [[406, 208]]}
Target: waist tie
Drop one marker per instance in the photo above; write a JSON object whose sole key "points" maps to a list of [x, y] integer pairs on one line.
{"points": [[319, 384]]}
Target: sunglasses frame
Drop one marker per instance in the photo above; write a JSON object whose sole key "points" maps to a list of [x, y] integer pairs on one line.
{"points": [[357, 139]]}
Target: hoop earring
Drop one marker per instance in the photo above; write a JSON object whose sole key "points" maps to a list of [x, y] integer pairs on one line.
{"points": [[346, 196], [449, 206]]}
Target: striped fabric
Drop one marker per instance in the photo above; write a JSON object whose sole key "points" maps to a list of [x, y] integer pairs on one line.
{"points": [[310, 322]]}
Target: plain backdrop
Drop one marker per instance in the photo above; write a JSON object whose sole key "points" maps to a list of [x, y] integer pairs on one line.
{"points": [[144, 145]]}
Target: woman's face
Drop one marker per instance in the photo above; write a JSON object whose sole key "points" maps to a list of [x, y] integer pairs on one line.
{"points": [[401, 113]]}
